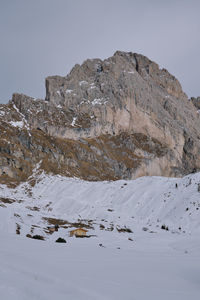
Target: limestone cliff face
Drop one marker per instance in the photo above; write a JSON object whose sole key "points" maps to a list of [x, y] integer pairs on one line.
{"points": [[123, 117]]}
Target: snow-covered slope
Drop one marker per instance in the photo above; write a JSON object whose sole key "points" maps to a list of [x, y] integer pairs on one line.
{"points": [[150, 202], [152, 267], [128, 255]]}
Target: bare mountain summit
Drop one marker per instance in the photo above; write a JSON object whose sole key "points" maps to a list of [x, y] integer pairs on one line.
{"points": [[123, 117]]}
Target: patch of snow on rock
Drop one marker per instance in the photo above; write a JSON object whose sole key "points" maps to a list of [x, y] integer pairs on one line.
{"points": [[98, 101], [2, 113], [69, 91], [19, 124], [73, 121], [83, 82]]}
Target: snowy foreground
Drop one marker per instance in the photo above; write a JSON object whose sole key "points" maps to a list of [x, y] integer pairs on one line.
{"points": [[144, 262]]}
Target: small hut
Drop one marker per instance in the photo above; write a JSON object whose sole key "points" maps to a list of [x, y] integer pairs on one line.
{"points": [[79, 232]]}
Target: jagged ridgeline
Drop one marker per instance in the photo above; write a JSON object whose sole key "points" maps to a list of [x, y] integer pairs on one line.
{"points": [[119, 118]]}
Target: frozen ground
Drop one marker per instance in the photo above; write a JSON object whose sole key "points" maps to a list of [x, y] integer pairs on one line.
{"points": [[147, 263]]}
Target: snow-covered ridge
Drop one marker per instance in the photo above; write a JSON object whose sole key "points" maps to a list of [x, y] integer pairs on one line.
{"points": [[146, 203]]}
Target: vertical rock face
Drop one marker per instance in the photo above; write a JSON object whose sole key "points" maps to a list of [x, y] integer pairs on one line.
{"points": [[123, 117], [196, 102]]}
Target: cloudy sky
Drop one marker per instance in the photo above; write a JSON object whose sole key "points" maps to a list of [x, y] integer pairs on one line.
{"points": [[47, 37]]}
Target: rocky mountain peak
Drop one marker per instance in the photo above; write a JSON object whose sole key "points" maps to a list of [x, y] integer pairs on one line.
{"points": [[115, 73], [121, 117]]}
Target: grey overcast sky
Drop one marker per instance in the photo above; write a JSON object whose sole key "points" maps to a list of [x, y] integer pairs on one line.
{"points": [[39, 38]]}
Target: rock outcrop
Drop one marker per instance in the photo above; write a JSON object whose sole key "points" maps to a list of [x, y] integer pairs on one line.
{"points": [[123, 117], [196, 102]]}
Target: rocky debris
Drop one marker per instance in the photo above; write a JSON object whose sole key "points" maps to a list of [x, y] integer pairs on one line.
{"points": [[196, 102], [123, 117], [61, 240]]}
